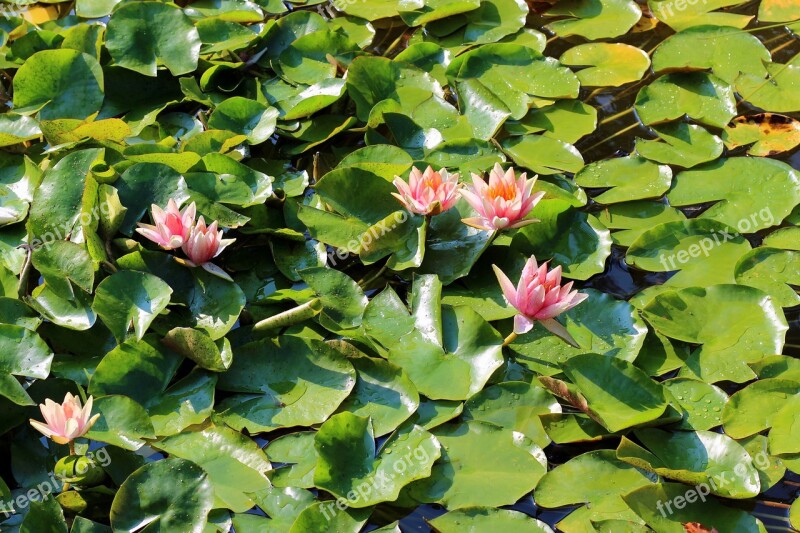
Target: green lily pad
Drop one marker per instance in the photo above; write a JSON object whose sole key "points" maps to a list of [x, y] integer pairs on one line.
{"points": [[458, 479], [495, 19], [24, 353], [629, 220], [15, 129], [752, 409], [416, 13], [129, 297], [383, 392], [187, 402], [63, 264], [348, 467], [685, 145], [702, 402], [235, 464], [567, 428], [695, 458], [246, 117], [773, 271], [296, 451], [730, 184], [619, 394], [488, 519], [703, 97], [594, 19], [514, 405], [600, 325], [175, 494], [594, 469], [123, 422], [343, 301], [734, 325], [138, 368], [572, 239], [143, 35], [658, 505], [682, 16], [777, 366], [778, 93], [778, 11], [543, 155], [703, 251], [628, 178], [784, 435], [565, 120], [606, 64], [725, 51], [301, 382], [73, 87]]}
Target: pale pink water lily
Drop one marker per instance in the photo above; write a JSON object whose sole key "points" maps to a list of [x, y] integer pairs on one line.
{"points": [[539, 297], [205, 243], [171, 226], [429, 192], [502, 203], [67, 421]]}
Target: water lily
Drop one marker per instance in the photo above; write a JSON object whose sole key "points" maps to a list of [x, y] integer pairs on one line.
{"points": [[171, 226], [539, 297], [502, 203], [429, 192], [67, 421], [205, 243]]}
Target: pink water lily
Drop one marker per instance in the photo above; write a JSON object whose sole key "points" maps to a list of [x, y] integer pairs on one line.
{"points": [[428, 193], [205, 243], [502, 203], [539, 297], [67, 421], [171, 226]]}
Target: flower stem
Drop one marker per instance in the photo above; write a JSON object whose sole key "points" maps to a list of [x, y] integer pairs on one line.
{"points": [[290, 317], [511, 337], [22, 288], [72, 447]]}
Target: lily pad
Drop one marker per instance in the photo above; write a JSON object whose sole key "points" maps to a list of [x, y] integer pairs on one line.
{"points": [[457, 480], [685, 145], [773, 271], [695, 458], [565, 120], [488, 519], [627, 178], [130, 298], [752, 409], [348, 466], [703, 97], [731, 183], [702, 402], [767, 133], [606, 64], [297, 383], [594, 19], [174, 493], [734, 325]]}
